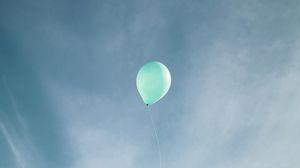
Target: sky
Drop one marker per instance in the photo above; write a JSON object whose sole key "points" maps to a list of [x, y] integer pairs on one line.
{"points": [[68, 96]]}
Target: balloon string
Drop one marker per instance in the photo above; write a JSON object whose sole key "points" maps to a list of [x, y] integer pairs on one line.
{"points": [[156, 137]]}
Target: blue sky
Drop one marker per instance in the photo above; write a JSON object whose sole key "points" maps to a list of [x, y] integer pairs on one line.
{"points": [[68, 97]]}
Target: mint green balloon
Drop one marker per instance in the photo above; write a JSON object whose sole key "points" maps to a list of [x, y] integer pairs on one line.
{"points": [[153, 82]]}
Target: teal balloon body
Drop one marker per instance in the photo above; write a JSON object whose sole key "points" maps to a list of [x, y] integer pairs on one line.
{"points": [[153, 82]]}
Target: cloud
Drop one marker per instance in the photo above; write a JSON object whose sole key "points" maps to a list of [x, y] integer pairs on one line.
{"points": [[244, 113], [19, 156], [97, 134], [17, 133]]}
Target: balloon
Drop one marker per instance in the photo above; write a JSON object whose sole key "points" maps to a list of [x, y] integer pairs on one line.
{"points": [[153, 82]]}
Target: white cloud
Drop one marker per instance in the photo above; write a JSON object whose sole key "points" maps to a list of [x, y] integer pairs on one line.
{"points": [[243, 114], [17, 135], [19, 156], [95, 137]]}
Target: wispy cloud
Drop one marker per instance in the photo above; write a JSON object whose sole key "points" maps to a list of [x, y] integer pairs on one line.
{"points": [[19, 156], [96, 138], [17, 134], [246, 114]]}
